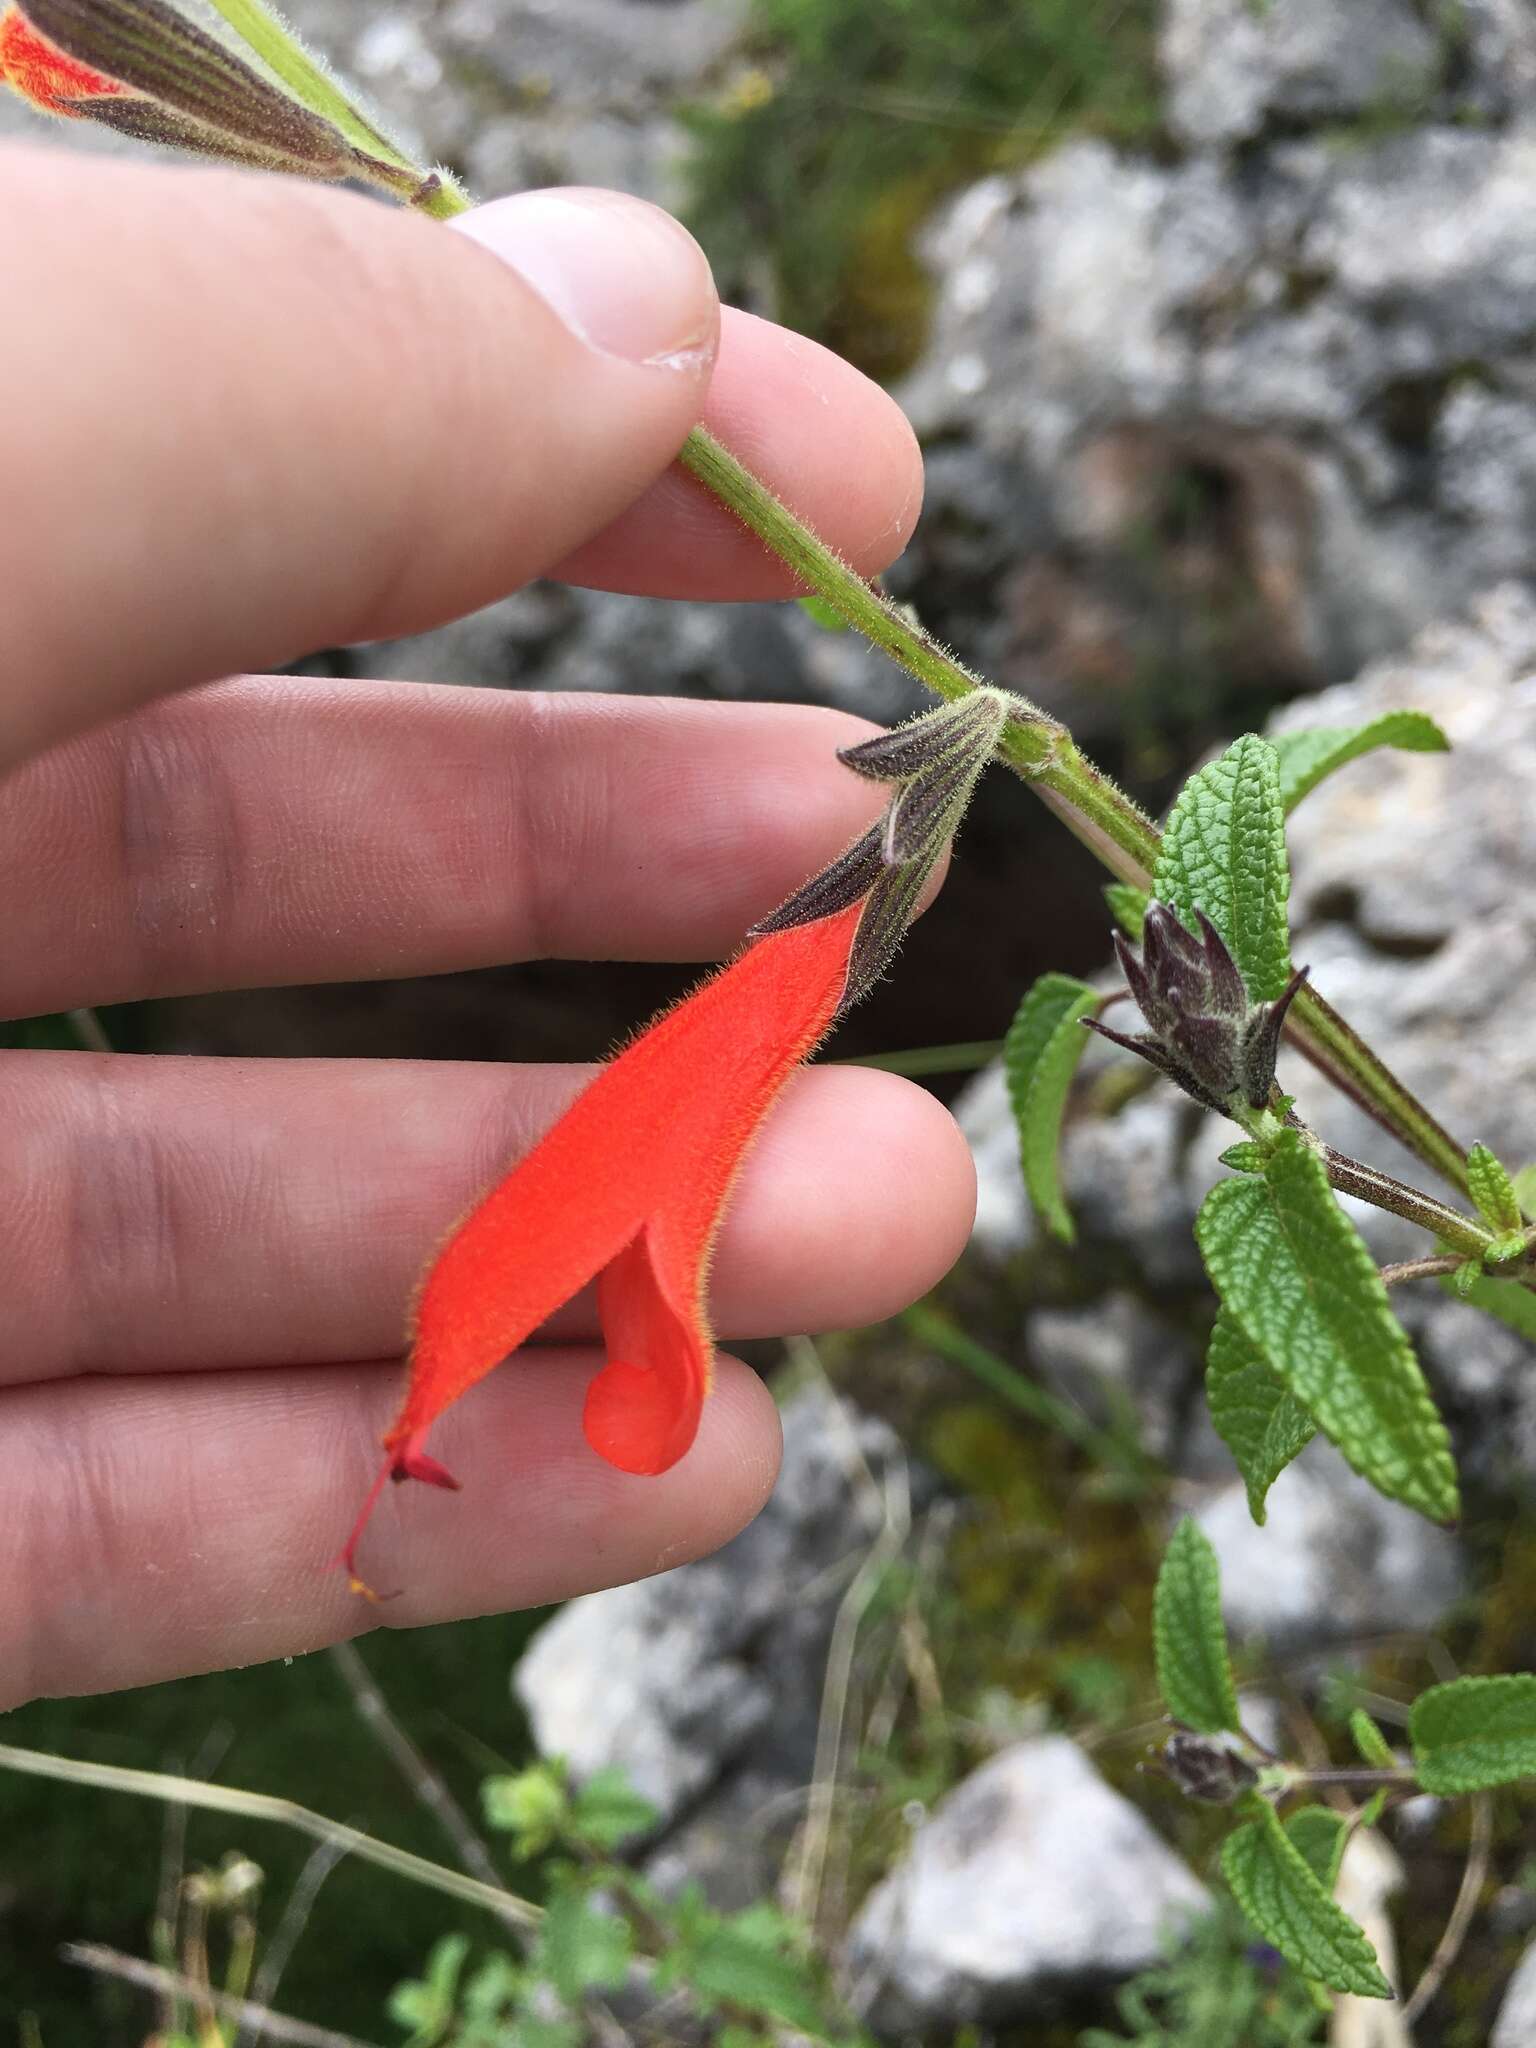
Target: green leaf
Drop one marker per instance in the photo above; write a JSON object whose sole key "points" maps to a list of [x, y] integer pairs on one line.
{"points": [[1223, 852], [1276, 1887], [532, 1806], [1370, 1741], [427, 2006], [1493, 1191], [1297, 1276], [1306, 757], [1244, 1157], [607, 1810], [1040, 1055], [1256, 1415], [1128, 907], [747, 1960], [1525, 1189], [1474, 1732], [1190, 1637], [581, 1949], [1320, 1834], [1508, 1300]]}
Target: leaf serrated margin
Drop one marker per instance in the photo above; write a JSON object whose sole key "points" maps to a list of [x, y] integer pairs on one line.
{"points": [[1306, 758], [1473, 1733], [1255, 1414], [1275, 1886], [1190, 1637], [1223, 852], [1298, 1278], [1040, 1056]]}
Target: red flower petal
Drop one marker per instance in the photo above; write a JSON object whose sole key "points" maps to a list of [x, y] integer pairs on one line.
{"points": [[41, 72], [629, 1184]]}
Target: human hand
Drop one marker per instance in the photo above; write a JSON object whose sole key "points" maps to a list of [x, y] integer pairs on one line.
{"points": [[244, 419]]}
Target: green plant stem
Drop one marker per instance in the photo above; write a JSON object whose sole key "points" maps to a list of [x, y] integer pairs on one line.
{"points": [[1418, 1269], [1363, 1780], [1369, 1184], [930, 1059], [263, 1806], [1044, 753]]}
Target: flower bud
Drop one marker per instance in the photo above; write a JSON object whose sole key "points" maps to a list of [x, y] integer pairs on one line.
{"points": [[149, 70], [1208, 1769], [935, 762], [1203, 1032]]}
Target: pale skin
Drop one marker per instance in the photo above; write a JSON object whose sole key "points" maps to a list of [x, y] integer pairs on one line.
{"points": [[242, 420]]}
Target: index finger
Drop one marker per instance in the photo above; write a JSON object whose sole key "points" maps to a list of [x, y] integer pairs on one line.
{"points": [[246, 418]]}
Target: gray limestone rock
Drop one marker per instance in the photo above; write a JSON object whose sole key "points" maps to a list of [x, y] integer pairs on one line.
{"points": [[1515, 2026], [1118, 1362], [1278, 405], [1334, 1561], [1234, 68], [704, 1683], [1031, 1878]]}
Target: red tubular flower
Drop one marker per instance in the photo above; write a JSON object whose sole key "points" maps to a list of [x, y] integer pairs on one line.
{"points": [[628, 1186], [46, 75]]}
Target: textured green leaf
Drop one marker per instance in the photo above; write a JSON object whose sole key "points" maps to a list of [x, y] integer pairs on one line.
{"points": [[580, 1947], [1319, 1833], [1306, 757], [1040, 1055], [1223, 852], [1370, 1741], [1128, 907], [1275, 1886], [747, 1959], [1190, 1636], [607, 1810], [1244, 1157], [1475, 1732], [1508, 1300], [1490, 1186], [1256, 1415], [1296, 1274]]}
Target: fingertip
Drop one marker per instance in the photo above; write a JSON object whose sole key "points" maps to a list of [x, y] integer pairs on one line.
{"points": [[857, 1199], [623, 276]]}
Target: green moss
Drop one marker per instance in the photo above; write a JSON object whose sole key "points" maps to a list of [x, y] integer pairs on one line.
{"points": [[817, 161]]}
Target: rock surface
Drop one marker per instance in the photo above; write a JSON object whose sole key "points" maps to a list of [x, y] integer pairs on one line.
{"points": [[1032, 1876], [1515, 2026], [705, 1683], [1269, 403], [1334, 1562]]}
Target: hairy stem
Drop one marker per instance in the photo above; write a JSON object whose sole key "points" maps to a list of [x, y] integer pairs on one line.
{"points": [[1368, 1184], [1417, 1269], [1114, 828], [1044, 753]]}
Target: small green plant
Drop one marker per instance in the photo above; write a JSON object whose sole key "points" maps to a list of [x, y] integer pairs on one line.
{"points": [[1306, 1338], [1213, 1991], [740, 1978], [1467, 1735]]}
